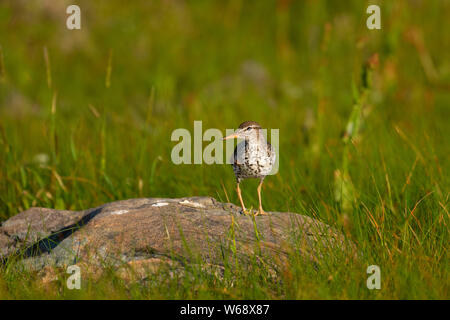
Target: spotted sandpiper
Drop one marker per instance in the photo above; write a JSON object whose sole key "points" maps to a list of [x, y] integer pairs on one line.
{"points": [[253, 158]]}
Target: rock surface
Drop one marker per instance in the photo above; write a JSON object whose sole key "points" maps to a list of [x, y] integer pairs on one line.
{"points": [[185, 230]]}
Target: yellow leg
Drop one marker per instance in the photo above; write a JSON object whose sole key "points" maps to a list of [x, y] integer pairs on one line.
{"points": [[240, 198], [260, 211]]}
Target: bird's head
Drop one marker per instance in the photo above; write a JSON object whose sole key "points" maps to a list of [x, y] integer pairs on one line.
{"points": [[247, 129]]}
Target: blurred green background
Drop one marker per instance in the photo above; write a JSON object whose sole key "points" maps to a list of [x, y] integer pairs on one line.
{"points": [[86, 115]]}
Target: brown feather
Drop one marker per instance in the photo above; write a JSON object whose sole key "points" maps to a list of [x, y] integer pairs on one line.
{"points": [[249, 123]]}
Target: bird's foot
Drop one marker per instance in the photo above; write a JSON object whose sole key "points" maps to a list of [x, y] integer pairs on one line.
{"points": [[261, 212]]}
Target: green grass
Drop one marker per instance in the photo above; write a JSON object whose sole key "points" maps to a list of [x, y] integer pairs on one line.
{"points": [[86, 118]]}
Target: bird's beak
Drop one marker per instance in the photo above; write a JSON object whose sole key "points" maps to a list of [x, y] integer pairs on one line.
{"points": [[231, 136]]}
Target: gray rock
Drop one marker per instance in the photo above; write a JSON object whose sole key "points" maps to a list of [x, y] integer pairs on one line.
{"points": [[7, 244], [38, 223], [186, 230]]}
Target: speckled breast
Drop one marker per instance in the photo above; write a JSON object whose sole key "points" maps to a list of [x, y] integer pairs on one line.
{"points": [[252, 160]]}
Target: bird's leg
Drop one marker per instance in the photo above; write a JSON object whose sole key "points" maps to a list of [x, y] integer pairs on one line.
{"points": [[260, 211], [240, 198]]}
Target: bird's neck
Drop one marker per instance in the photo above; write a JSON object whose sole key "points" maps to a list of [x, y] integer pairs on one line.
{"points": [[256, 138]]}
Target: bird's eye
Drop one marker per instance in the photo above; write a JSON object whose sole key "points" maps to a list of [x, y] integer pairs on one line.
{"points": [[248, 129]]}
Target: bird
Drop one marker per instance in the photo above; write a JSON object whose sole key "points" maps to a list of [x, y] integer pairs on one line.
{"points": [[253, 157]]}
